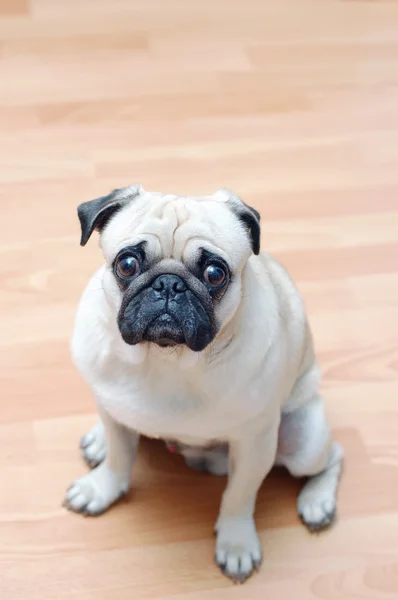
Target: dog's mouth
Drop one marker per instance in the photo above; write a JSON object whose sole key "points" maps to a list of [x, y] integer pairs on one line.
{"points": [[165, 331]]}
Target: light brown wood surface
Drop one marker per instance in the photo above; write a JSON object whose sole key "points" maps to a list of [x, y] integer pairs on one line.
{"points": [[294, 105]]}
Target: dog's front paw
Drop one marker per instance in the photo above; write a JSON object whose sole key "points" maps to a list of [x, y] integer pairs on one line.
{"points": [[96, 491], [93, 445], [238, 549]]}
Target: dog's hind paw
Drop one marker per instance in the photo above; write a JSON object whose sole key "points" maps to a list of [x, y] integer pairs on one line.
{"points": [[93, 445], [94, 493], [317, 515]]}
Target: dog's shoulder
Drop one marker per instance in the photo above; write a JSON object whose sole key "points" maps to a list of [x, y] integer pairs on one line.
{"points": [[290, 303], [91, 323]]}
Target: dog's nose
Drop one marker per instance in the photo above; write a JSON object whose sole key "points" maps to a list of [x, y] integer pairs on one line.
{"points": [[169, 285]]}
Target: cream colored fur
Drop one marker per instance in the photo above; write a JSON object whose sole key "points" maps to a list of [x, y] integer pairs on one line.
{"points": [[255, 387]]}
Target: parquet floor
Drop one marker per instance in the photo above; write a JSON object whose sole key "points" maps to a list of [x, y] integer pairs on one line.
{"points": [[293, 104]]}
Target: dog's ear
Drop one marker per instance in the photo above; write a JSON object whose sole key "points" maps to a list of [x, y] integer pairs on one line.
{"points": [[95, 214], [251, 218], [248, 216]]}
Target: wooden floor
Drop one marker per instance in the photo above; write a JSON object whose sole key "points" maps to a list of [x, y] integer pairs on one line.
{"points": [[294, 105]]}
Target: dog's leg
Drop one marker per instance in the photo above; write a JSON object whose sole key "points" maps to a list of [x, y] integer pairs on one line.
{"points": [[238, 549], [96, 491], [306, 449], [93, 445]]}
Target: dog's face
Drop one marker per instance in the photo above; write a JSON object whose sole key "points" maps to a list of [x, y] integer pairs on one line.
{"points": [[174, 264]]}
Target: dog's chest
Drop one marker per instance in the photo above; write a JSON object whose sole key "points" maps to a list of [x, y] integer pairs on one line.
{"points": [[160, 402], [163, 409]]}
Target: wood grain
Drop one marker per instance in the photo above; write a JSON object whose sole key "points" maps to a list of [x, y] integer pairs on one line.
{"points": [[293, 104]]}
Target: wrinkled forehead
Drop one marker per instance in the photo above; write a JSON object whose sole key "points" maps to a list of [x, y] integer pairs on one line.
{"points": [[176, 227]]}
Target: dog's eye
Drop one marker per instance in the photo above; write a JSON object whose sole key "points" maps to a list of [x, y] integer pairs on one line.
{"points": [[127, 266], [214, 275]]}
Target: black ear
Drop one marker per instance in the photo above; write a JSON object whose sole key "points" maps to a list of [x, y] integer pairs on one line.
{"points": [[248, 216], [94, 214], [251, 218]]}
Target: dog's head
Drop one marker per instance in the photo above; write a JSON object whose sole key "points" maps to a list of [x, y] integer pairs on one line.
{"points": [[173, 264]]}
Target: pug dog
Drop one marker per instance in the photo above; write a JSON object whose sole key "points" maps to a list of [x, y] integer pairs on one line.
{"points": [[189, 334]]}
